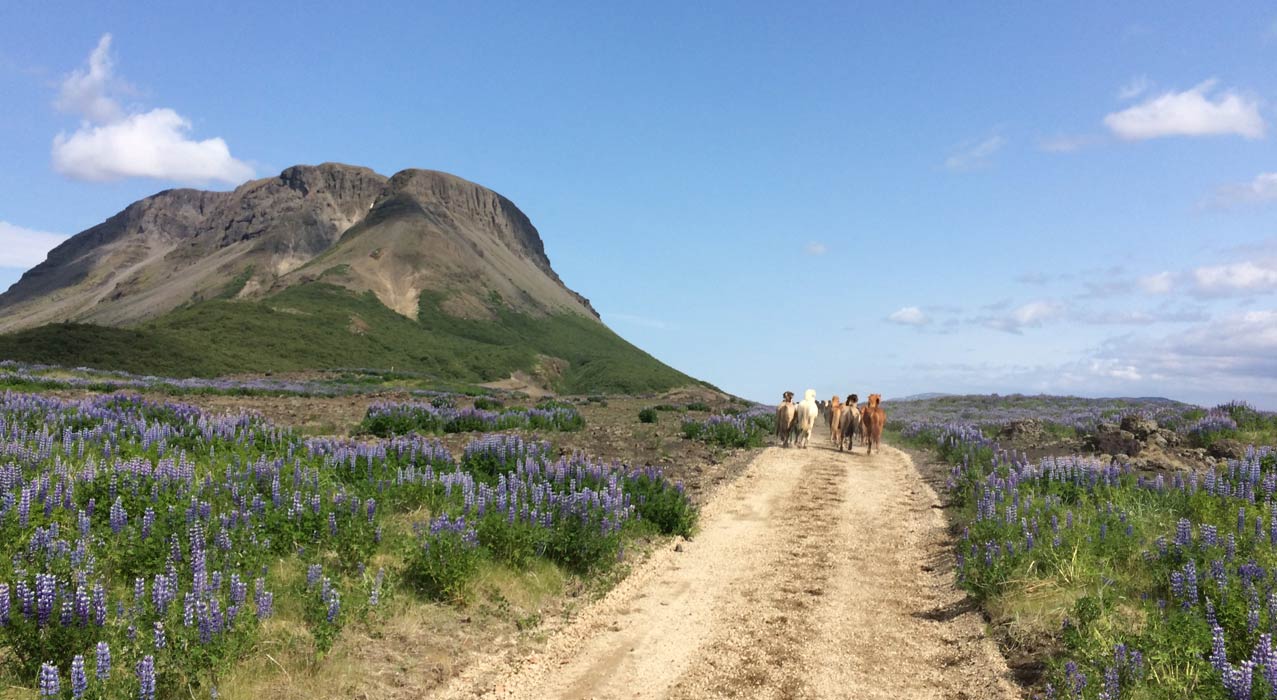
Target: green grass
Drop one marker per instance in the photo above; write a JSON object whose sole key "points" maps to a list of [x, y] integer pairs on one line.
{"points": [[236, 285], [311, 327], [1069, 565]]}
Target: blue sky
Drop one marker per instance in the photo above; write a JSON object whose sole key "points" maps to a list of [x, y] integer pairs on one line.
{"points": [[897, 198]]}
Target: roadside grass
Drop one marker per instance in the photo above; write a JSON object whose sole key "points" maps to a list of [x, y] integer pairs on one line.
{"points": [[1120, 581]]}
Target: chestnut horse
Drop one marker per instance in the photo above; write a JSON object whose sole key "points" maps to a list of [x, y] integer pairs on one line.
{"points": [[786, 416], [872, 419], [835, 420]]}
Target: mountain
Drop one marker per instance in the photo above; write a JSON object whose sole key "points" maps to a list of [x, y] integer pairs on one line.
{"points": [[322, 267]]}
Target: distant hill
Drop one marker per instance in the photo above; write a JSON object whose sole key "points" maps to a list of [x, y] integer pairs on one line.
{"points": [[321, 267]]}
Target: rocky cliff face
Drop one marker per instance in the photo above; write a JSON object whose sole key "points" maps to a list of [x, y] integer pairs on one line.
{"points": [[397, 237]]}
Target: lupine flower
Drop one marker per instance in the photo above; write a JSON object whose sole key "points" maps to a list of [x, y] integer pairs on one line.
{"points": [[146, 678], [334, 606], [103, 667], [50, 681], [79, 680]]}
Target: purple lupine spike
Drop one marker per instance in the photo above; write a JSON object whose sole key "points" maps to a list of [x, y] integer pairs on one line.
{"points": [[50, 681], [146, 678], [334, 606], [99, 605], [79, 679], [103, 667]]}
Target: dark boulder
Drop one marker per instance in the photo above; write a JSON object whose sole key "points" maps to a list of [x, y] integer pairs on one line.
{"points": [[1139, 426], [1226, 449]]}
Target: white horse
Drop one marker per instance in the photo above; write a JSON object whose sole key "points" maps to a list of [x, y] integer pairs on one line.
{"points": [[808, 412]]}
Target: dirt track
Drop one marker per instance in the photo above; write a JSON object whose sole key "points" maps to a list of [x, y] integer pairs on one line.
{"points": [[817, 574]]}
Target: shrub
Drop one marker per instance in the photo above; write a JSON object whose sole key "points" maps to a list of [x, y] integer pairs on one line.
{"points": [[445, 561], [662, 504], [698, 406], [483, 403], [647, 415]]}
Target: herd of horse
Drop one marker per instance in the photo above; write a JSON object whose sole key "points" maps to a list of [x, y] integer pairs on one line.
{"points": [[846, 420]]}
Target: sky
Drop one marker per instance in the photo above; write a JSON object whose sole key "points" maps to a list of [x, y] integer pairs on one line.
{"points": [[902, 197]]}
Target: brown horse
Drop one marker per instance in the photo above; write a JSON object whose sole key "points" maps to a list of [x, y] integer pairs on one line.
{"points": [[835, 420], [850, 426], [786, 416], [872, 419]]}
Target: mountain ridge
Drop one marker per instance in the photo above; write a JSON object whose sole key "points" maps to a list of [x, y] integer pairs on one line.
{"points": [[321, 267], [184, 245]]}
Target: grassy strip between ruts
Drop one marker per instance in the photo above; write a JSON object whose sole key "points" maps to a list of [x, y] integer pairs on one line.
{"points": [[1129, 585]]}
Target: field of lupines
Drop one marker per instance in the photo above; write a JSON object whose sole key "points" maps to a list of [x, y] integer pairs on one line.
{"points": [[1134, 585], [744, 429], [147, 544], [441, 416], [1067, 411], [35, 377], [1202, 427]]}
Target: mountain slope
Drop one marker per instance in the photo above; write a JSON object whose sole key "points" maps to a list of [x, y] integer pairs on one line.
{"points": [[323, 267]]}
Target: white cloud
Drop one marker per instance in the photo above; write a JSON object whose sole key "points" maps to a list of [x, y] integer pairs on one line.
{"points": [[23, 247], [1262, 188], [85, 91], [815, 248], [1029, 315], [1247, 277], [974, 155], [154, 144], [1227, 357], [1160, 283], [1138, 86], [113, 143], [1067, 144], [909, 316], [1189, 113]]}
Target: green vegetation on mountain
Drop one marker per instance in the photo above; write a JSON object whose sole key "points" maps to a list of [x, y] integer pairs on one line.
{"points": [[320, 326]]}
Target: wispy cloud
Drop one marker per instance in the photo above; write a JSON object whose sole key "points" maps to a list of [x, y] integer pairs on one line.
{"points": [[113, 142], [1068, 143], [23, 247], [1248, 277], [1159, 283], [1261, 189], [815, 248], [1231, 354], [1190, 113], [1245, 278], [1133, 89], [974, 155], [909, 316], [1030, 315], [642, 321]]}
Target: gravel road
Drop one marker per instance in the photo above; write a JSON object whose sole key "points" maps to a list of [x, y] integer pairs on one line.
{"points": [[816, 574]]}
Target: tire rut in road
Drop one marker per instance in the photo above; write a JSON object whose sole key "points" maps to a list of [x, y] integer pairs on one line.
{"points": [[758, 650]]}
